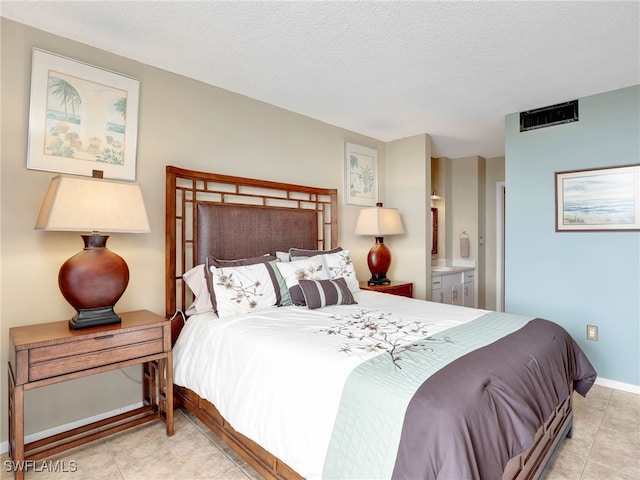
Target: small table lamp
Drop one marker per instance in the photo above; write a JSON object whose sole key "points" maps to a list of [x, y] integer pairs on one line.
{"points": [[379, 222], [93, 280]]}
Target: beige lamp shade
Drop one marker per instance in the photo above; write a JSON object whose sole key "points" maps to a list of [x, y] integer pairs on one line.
{"points": [[379, 222], [93, 205]]}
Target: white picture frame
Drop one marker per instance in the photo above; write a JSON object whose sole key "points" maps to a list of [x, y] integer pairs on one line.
{"points": [[361, 175], [598, 199], [83, 119]]}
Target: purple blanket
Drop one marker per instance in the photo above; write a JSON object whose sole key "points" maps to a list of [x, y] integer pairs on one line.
{"points": [[467, 420]]}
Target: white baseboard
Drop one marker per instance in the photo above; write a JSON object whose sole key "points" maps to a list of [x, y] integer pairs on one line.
{"points": [[625, 387], [4, 446]]}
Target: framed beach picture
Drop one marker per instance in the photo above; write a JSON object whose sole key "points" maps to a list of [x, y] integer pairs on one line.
{"points": [[598, 199], [82, 119], [361, 175]]}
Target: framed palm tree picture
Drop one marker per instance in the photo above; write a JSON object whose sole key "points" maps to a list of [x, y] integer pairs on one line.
{"points": [[83, 120], [361, 175]]}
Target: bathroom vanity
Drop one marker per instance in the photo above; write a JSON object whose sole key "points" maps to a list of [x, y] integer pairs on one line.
{"points": [[454, 285]]}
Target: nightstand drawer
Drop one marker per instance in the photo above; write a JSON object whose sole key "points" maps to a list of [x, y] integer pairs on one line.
{"points": [[54, 360]]}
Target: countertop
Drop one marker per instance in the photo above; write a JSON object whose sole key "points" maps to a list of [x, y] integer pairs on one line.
{"points": [[449, 270]]}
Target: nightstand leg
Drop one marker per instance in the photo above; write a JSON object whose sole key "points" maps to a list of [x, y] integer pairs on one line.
{"points": [[157, 388], [16, 427], [162, 404], [169, 394]]}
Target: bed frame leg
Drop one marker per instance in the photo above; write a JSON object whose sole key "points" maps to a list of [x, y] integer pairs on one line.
{"points": [[570, 431]]}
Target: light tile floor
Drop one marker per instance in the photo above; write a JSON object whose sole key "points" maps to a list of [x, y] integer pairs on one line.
{"points": [[605, 445], [606, 438]]}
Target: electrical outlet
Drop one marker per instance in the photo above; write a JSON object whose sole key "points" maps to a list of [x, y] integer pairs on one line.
{"points": [[592, 332]]}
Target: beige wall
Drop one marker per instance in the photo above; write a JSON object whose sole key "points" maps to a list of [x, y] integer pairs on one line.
{"points": [[407, 176], [466, 215], [182, 122]]}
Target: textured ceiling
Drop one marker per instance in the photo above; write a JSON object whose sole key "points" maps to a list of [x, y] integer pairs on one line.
{"points": [[384, 69]]}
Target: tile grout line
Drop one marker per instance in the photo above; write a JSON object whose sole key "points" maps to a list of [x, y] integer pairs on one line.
{"points": [[233, 460], [599, 425]]}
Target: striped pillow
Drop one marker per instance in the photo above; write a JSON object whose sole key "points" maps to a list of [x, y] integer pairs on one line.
{"points": [[320, 293]]}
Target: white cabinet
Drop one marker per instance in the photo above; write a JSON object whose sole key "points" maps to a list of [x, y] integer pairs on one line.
{"points": [[436, 289], [452, 286], [456, 288], [468, 287]]}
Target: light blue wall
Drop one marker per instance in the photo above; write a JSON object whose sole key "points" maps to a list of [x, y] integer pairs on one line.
{"points": [[575, 278]]}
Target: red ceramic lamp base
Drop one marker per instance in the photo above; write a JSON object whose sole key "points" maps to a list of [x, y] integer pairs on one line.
{"points": [[379, 260], [92, 281]]}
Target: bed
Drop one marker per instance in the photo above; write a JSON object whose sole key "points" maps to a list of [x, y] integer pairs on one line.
{"points": [[304, 375]]}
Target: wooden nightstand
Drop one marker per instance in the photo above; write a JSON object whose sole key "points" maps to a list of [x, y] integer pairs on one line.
{"points": [[51, 353], [394, 288]]}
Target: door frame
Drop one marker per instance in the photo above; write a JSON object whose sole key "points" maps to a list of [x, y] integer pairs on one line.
{"points": [[500, 247]]}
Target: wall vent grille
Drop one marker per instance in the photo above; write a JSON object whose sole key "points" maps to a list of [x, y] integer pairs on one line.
{"points": [[548, 116]]}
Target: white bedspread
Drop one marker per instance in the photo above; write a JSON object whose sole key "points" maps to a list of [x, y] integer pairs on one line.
{"points": [[277, 376]]}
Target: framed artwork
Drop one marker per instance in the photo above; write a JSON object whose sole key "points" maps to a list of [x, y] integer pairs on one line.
{"points": [[434, 231], [361, 175], [604, 199], [82, 119]]}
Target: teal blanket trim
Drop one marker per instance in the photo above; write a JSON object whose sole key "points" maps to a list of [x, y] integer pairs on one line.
{"points": [[367, 429]]}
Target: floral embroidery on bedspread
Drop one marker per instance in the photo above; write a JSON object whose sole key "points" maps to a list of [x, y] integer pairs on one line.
{"points": [[376, 331]]}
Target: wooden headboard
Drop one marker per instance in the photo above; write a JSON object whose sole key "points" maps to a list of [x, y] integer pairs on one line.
{"points": [[234, 217]]}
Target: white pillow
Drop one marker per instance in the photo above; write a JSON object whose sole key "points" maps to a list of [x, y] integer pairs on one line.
{"points": [[197, 283], [308, 269], [283, 256], [339, 265], [243, 289]]}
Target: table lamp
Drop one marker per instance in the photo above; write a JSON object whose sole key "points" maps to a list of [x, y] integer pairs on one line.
{"points": [[93, 280], [379, 222]]}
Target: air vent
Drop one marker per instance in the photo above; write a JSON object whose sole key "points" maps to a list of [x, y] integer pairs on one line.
{"points": [[549, 116]]}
